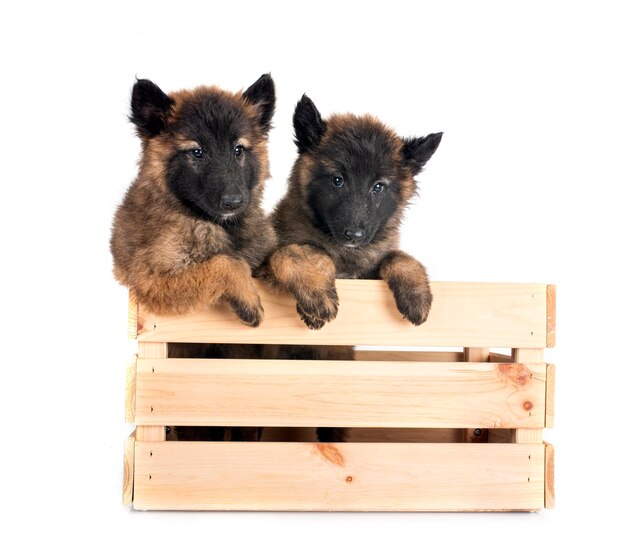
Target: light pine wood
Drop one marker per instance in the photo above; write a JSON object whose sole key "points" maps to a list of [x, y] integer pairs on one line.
{"points": [[296, 393], [480, 355], [424, 400], [527, 355], [131, 385], [403, 355], [495, 357], [550, 315], [150, 432], [463, 314], [152, 350], [129, 470], [549, 476], [528, 433], [550, 383], [348, 476], [133, 310]]}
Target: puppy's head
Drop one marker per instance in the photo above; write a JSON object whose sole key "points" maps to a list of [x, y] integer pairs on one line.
{"points": [[355, 173], [206, 146]]}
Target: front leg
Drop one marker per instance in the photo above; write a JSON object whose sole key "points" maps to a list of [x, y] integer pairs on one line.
{"points": [[220, 279], [307, 273], [408, 281]]}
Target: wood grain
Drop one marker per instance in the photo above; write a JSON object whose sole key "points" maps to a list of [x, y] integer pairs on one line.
{"points": [[298, 393], [479, 355], [149, 432], [550, 385], [406, 355], [348, 476], [528, 433], [550, 315], [463, 314], [129, 470], [131, 385], [549, 476]]}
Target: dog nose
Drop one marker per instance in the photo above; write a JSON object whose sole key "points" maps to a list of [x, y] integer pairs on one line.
{"points": [[231, 202], [353, 235]]}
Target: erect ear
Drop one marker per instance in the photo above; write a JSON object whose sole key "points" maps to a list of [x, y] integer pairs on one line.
{"points": [[308, 124], [416, 151], [149, 107], [262, 95]]}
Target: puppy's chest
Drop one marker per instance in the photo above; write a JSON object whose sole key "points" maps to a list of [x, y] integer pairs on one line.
{"points": [[357, 264], [204, 240]]}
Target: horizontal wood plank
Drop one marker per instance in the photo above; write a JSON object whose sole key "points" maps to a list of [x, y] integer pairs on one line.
{"points": [[406, 355], [463, 314], [298, 393], [347, 476]]}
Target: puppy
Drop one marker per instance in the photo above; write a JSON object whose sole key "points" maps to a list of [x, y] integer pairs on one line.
{"points": [[190, 228], [340, 218], [341, 215]]}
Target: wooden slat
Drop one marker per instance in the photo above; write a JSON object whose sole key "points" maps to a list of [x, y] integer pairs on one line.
{"points": [[549, 476], [151, 431], [477, 355], [528, 433], [463, 314], [133, 309], [550, 383], [129, 470], [298, 393], [494, 357], [131, 384], [152, 350], [550, 315], [404, 355], [348, 476]]}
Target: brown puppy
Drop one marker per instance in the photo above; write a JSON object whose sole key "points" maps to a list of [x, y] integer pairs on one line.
{"points": [[191, 228], [340, 217]]}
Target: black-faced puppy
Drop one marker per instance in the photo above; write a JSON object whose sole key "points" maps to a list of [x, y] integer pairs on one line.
{"points": [[191, 228], [341, 215]]}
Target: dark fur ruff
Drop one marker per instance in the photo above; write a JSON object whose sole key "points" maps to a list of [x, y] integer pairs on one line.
{"points": [[191, 228], [340, 218]]}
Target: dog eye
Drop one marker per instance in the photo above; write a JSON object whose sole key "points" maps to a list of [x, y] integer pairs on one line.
{"points": [[238, 150], [197, 153], [338, 181], [378, 188]]}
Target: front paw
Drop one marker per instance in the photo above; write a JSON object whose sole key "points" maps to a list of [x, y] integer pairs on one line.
{"points": [[412, 301], [248, 309], [316, 308]]}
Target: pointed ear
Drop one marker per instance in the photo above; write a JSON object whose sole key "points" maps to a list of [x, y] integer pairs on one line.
{"points": [[416, 151], [149, 108], [262, 95], [308, 124]]}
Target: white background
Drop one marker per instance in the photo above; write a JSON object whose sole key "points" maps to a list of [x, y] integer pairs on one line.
{"points": [[527, 186]]}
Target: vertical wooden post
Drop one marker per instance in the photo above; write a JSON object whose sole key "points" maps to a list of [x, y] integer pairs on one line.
{"points": [[478, 354], [527, 355], [152, 433]]}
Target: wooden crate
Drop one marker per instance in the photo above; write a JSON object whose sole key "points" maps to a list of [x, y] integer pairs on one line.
{"points": [[433, 430]]}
